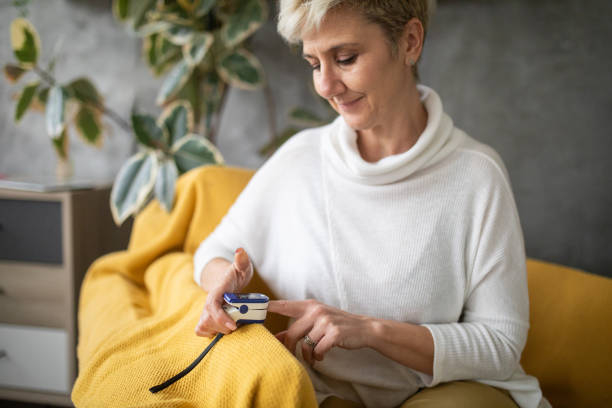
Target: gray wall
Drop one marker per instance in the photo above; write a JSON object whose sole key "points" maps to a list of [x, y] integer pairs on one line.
{"points": [[534, 80], [530, 78]]}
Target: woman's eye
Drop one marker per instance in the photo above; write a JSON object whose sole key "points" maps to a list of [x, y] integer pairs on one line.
{"points": [[348, 60], [315, 67]]}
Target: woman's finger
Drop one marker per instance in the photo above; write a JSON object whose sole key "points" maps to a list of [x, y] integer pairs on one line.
{"points": [[296, 332], [323, 346], [315, 335], [242, 263], [224, 323], [290, 308], [280, 336]]}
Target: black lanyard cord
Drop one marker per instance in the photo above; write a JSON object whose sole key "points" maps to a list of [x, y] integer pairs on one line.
{"points": [[186, 371]]}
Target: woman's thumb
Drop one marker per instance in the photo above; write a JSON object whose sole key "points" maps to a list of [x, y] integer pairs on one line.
{"points": [[241, 260]]}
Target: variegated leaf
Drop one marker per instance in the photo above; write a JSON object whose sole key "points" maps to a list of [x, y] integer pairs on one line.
{"points": [[177, 118], [89, 125], [121, 9], [165, 183], [133, 185], [271, 147], [153, 27], [25, 99], [178, 34], [55, 111], [13, 72], [84, 91], [60, 144], [248, 17], [241, 69], [147, 132], [25, 42], [193, 151], [304, 117], [174, 81], [195, 51], [203, 7]]}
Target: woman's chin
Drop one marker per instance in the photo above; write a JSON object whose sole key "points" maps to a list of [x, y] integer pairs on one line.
{"points": [[355, 122]]}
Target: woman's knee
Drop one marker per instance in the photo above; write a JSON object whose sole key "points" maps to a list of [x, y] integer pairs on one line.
{"points": [[460, 394]]}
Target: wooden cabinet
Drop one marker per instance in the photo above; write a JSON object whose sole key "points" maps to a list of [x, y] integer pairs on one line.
{"points": [[47, 242]]}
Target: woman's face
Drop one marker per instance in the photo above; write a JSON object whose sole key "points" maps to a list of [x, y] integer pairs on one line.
{"points": [[354, 69]]}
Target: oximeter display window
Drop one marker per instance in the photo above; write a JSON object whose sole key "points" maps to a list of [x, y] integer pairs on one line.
{"points": [[246, 297]]}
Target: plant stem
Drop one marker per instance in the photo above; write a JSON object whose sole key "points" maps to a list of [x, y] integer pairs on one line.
{"points": [[271, 108], [47, 77], [213, 130]]}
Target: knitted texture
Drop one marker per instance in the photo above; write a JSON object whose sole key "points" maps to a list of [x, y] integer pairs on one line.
{"points": [[429, 236], [138, 310]]}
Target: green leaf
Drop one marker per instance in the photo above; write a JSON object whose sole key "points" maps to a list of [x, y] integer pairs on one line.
{"points": [[25, 42], [271, 147], [138, 11], [13, 72], [25, 99], [193, 151], [60, 144], [305, 118], [174, 81], [165, 53], [121, 9], [55, 111], [242, 70], [248, 17], [133, 185], [149, 49], [178, 34], [146, 130], [214, 89], [153, 27], [89, 125], [84, 90], [187, 5], [177, 119], [43, 95], [195, 51], [203, 7], [165, 183]]}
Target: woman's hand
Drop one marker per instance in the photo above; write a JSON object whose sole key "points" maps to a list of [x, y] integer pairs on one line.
{"points": [[218, 277], [326, 326]]}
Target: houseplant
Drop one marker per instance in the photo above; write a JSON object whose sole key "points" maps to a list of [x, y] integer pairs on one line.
{"points": [[201, 48]]}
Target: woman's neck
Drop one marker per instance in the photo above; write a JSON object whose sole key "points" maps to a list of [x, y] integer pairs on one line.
{"points": [[396, 135]]}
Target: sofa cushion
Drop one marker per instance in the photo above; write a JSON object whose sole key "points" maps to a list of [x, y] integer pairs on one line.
{"points": [[569, 348]]}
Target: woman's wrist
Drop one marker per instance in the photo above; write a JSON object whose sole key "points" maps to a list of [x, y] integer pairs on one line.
{"points": [[374, 329]]}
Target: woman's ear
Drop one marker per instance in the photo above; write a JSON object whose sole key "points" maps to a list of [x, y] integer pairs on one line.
{"points": [[411, 45]]}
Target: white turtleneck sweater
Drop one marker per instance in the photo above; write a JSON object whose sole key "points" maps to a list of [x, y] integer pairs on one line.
{"points": [[430, 236]]}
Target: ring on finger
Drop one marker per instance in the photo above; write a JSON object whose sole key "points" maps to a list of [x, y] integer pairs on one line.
{"points": [[310, 341]]}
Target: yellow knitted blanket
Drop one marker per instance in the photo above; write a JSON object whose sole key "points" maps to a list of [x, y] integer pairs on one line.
{"points": [[138, 310]]}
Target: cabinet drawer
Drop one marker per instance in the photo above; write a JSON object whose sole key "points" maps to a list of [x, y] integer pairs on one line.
{"points": [[34, 358], [33, 294], [31, 231]]}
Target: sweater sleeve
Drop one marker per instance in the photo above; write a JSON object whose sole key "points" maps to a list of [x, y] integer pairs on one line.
{"points": [[488, 339], [242, 226], [249, 222]]}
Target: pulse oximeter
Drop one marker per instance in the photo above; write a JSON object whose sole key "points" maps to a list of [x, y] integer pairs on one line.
{"points": [[246, 308]]}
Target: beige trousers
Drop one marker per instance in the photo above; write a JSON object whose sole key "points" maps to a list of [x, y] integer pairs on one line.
{"points": [[456, 394]]}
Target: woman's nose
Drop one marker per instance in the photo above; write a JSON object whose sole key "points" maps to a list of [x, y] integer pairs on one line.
{"points": [[327, 83]]}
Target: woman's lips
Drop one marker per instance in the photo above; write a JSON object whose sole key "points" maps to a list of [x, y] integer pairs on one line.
{"points": [[348, 105]]}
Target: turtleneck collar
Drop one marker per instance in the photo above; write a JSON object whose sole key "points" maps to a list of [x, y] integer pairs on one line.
{"points": [[435, 143]]}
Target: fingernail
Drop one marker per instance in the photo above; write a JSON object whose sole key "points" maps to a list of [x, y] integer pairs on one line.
{"points": [[238, 250], [230, 326]]}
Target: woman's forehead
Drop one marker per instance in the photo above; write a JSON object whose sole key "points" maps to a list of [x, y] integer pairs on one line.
{"points": [[339, 28]]}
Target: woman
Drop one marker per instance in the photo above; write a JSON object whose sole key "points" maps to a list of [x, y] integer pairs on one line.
{"points": [[399, 228]]}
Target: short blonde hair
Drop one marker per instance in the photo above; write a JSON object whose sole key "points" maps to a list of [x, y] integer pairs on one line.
{"points": [[297, 17]]}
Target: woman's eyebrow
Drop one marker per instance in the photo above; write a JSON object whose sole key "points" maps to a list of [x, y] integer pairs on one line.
{"points": [[331, 49]]}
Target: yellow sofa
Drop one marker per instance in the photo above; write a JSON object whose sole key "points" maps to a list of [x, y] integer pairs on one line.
{"points": [[138, 309]]}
